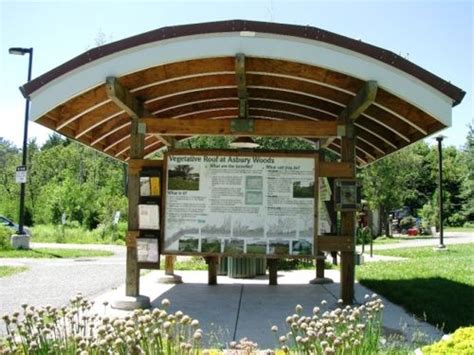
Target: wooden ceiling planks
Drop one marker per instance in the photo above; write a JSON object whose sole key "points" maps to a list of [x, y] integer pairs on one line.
{"points": [[206, 89]]}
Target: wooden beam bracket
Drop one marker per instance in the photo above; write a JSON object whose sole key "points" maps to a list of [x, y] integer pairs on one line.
{"points": [[239, 125], [131, 239], [122, 97], [359, 103], [341, 130], [334, 243]]}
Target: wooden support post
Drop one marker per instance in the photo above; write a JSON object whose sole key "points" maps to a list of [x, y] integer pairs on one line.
{"points": [[133, 299], [170, 277], [320, 266], [272, 272], [348, 221], [132, 280], [212, 262], [169, 264], [320, 257]]}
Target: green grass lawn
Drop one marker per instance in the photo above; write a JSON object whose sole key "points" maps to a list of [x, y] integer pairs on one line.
{"points": [[459, 229], [47, 233], [436, 286], [53, 253], [10, 270]]}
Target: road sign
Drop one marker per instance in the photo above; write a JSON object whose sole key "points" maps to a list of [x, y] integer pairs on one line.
{"points": [[116, 218], [21, 173]]}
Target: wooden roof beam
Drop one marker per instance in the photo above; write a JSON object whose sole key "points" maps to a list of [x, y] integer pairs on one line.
{"points": [[241, 85], [122, 97], [232, 127], [359, 103]]}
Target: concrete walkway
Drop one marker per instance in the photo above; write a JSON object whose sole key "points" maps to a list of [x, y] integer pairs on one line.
{"points": [[237, 308], [233, 309]]}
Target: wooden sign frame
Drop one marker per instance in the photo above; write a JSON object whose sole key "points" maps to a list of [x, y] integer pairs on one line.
{"points": [[229, 153]]}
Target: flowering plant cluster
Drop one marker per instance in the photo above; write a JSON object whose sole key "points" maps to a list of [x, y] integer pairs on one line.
{"points": [[75, 330], [345, 330]]}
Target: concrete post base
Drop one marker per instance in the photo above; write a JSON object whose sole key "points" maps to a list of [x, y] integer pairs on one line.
{"points": [[129, 303], [170, 279], [321, 281], [20, 241]]}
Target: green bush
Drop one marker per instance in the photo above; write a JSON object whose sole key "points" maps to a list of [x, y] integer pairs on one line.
{"points": [[407, 222], [5, 234], [456, 220], [460, 342], [363, 235], [429, 215]]}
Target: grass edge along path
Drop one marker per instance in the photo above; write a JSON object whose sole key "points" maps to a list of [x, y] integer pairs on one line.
{"points": [[6, 271], [51, 253], [435, 286]]}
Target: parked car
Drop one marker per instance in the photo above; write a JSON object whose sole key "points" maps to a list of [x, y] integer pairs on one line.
{"points": [[4, 221]]}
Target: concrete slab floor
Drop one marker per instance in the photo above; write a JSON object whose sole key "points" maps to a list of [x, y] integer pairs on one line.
{"points": [[237, 308]]}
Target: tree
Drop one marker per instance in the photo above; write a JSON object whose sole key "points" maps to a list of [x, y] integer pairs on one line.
{"points": [[9, 190], [467, 185], [385, 182]]}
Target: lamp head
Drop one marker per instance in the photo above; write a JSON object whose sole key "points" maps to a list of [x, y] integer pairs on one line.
{"points": [[19, 50], [440, 138], [244, 142]]}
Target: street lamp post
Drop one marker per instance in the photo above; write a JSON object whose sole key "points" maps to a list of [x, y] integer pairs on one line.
{"points": [[440, 190], [23, 51]]}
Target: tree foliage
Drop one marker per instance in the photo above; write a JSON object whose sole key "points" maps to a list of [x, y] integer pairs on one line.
{"points": [[409, 178], [63, 177]]}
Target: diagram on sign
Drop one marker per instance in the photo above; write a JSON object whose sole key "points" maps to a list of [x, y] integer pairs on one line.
{"points": [[260, 205]]}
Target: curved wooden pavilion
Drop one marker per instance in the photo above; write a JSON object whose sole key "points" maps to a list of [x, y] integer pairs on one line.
{"points": [[242, 78], [180, 76]]}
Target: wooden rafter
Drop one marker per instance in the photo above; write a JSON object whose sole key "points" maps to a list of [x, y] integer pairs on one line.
{"points": [[359, 103], [223, 127]]}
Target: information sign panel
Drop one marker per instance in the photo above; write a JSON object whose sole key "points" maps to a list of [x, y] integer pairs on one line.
{"points": [[249, 204]]}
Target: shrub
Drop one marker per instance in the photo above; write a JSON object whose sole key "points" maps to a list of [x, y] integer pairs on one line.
{"points": [[363, 235], [468, 225], [407, 222], [460, 342], [5, 234], [74, 233]]}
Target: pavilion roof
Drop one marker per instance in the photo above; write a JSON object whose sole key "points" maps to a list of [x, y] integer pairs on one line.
{"points": [[184, 78]]}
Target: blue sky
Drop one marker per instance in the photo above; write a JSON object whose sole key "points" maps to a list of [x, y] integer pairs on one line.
{"points": [[436, 35]]}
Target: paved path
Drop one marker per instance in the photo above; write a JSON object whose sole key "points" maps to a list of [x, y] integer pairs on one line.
{"points": [[237, 308], [450, 238], [55, 281]]}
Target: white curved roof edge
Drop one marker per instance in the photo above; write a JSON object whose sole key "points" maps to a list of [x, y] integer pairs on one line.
{"points": [[262, 45]]}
